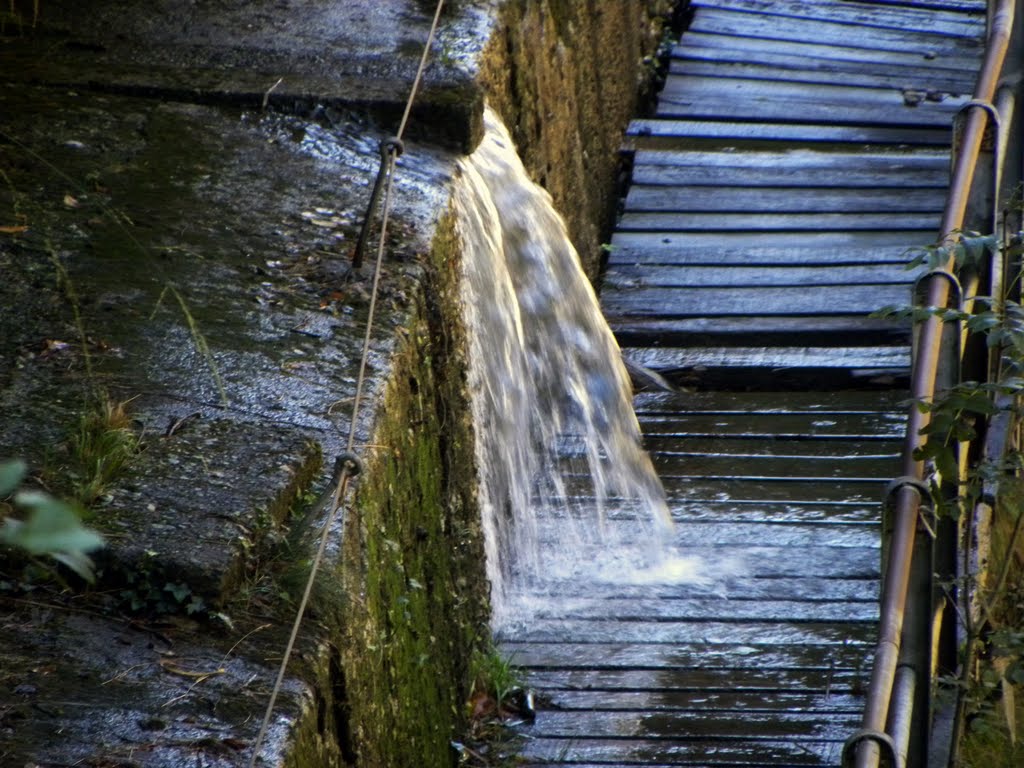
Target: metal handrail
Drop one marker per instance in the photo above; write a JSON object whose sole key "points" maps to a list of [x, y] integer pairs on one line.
{"points": [[907, 498]]}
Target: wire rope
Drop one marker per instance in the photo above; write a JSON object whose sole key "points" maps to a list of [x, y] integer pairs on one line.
{"points": [[350, 464]]}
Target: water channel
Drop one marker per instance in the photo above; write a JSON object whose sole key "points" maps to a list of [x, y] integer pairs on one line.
{"points": [[567, 490]]}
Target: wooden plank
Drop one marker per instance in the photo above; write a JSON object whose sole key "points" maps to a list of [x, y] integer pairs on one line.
{"points": [[791, 222], [736, 46], [759, 464], [806, 452], [892, 404], [815, 330], [769, 513], [707, 632], [763, 248], [760, 132], [786, 175], [807, 489], [698, 534], [687, 655], [677, 105], [701, 533], [730, 487], [732, 701], [711, 609], [663, 359], [721, 678], [786, 512], [714, 90], [648, 752], [725, 199], [863, 15], [760, 302], [757, 450], [936, 160], [706, 62], [866, 428], [727, 586], [755, 25], [627, 276], [776, 513], [959, 6], [690, 725]]}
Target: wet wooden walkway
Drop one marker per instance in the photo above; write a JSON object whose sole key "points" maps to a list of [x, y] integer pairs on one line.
{"points": [[799, 148]]}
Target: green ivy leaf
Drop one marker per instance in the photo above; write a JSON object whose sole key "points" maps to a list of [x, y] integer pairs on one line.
{"points": [[11, 475], [974, 249], [196, 605], [52, 528], [982, 322], [180, 591]]}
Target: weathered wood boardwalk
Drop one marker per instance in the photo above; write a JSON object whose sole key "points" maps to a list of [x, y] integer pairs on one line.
{"points": [[798, 150]]}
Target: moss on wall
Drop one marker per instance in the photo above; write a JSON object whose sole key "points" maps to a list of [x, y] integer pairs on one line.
{"points": [[566, 76], [413, 560]]}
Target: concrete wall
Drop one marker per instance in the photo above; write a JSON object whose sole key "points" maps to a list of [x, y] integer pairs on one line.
{"points": [[567, 77]]}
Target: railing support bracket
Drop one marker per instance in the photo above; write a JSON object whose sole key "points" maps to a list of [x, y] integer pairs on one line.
{"points": [[885, 745]]}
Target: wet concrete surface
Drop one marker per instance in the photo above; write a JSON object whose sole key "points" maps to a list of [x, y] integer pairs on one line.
{"points": [[82, 689], [298, 55], [205, 251], [166, 240]]}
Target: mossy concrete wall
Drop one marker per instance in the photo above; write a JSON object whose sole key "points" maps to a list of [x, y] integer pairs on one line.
{"points": [[413, 545], [566, 77]]}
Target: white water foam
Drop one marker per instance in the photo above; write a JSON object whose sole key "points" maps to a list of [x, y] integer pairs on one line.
{"points": [[568, 493]]}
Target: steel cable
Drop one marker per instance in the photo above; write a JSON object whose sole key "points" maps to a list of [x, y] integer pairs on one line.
{"points": [[350, 463]]}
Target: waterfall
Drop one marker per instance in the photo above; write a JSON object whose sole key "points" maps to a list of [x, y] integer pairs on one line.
{"points": [[566, 489]]}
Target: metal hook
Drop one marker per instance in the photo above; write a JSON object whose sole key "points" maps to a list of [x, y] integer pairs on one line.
{"points": [[883, 740], [390, 147]]}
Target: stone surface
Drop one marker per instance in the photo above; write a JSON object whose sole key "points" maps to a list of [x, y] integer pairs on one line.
{"points": [[181, 186], [191, 259], [97, 691], [295, 55], [203, 251]]}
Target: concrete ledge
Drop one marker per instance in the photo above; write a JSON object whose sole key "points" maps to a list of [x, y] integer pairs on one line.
{"points": [[295, 55]]}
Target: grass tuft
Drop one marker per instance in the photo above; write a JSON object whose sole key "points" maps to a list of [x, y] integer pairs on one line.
{"points": [[494, 675], [103, 444], [992, 738]]}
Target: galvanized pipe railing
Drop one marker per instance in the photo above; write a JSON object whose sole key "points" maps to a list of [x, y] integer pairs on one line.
{"points": [[867, 745]]}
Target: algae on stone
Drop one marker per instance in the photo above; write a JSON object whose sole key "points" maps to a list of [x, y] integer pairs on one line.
{"points": [[413, 550]]}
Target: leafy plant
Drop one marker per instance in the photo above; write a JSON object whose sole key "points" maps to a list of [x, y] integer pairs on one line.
{"points": [[149, 590], [51, 527], [988, 699], [992, 706]]}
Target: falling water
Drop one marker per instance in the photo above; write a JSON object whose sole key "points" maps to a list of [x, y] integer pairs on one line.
{"points": [[567, 490]]}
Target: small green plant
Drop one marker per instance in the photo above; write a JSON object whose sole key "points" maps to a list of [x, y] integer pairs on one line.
{"points": [[494, 676], [993, 709], [148, 590], [102, 446], [496, 695], [988, 702], [50, 527], [953, 414]]}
